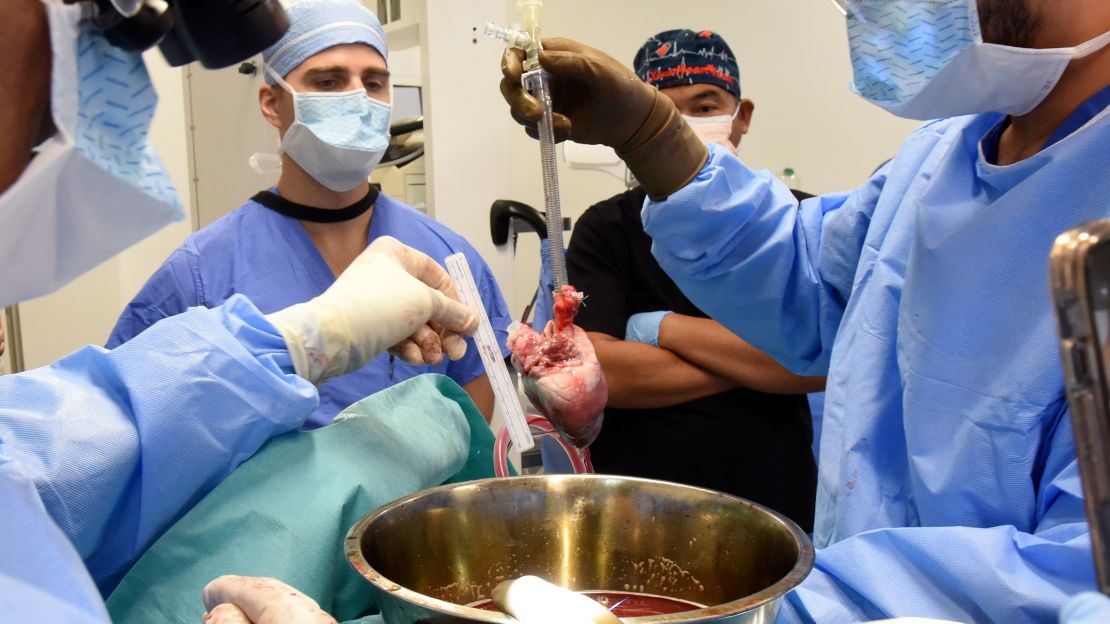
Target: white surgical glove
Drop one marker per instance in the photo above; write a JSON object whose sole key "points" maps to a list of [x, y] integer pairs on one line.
{"points": [[532, 600], [392, 297], [257, 600]]}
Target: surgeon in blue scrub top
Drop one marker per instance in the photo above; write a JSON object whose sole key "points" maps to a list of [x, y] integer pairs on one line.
{"points": [[102, 451], [288, 244], [948, 481]]}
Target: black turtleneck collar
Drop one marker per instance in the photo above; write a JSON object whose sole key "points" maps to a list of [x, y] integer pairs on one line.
{"points": [[280, 205]]}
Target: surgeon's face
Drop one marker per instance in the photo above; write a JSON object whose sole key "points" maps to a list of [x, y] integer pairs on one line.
{"points": [[25, 98], [1007, 22], [340, 68], [706, 100], [1044, 23]]}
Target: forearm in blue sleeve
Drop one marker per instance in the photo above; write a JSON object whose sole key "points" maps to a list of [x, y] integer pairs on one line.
{"points": [[120, 443], [954, 573], [966, 574], [778, 274], [42, 578]]}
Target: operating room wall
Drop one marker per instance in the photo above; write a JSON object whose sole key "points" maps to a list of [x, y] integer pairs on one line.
{"points": [[85, 310], [794, 64], [793, 57]]}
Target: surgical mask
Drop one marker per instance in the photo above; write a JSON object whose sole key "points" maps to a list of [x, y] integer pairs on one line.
{"points": [[715, 129], [926, 60], [96, 187], [337, 138]]}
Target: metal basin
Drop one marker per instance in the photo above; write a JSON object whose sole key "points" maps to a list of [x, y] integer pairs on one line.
{"points": [[434, 551]]}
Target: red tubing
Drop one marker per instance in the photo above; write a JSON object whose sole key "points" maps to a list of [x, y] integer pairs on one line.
{"points": [[579, 458]]}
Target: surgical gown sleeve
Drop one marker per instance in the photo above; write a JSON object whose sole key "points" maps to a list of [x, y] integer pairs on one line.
{"points": [[778, 274], [42, 578], [119, 444], [966, 574]]}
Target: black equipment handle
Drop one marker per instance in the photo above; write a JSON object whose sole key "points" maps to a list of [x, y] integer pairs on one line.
{"points": [[503, 211]]}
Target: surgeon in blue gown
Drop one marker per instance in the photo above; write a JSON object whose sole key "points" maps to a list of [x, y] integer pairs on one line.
{"points": [[103, 450], [948, 480], [288, 244]]}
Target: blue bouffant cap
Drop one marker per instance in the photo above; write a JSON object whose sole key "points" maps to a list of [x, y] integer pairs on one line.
{"points": [[316, 25], [674, 58]]}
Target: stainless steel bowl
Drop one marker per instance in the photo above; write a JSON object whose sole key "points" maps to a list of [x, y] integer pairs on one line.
{"points": [[434, 551]]}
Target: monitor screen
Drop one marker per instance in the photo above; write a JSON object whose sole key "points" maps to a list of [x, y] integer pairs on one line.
{"points": [[407, 102]]}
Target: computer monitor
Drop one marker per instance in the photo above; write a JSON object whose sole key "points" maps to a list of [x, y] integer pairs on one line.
{"points": [[408, 102]]}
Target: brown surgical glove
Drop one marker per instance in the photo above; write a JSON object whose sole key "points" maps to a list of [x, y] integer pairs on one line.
{"points": [[599, 101]]}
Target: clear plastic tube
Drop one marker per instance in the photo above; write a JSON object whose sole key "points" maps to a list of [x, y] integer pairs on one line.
{"points": [[536, 83], [528, 39], [531, 10], [509, 35]]}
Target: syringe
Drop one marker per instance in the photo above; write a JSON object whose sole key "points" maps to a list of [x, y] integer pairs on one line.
{"points": [[535, 81]]}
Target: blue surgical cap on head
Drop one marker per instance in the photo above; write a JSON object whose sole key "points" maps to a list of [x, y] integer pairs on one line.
{"points": [[316, 25]]}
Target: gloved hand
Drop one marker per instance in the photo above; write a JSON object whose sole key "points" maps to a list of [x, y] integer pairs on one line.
{"points": [[256, 600], [598, 100], [392, 297], [532, 600], [1086, 608], [644, 327]]}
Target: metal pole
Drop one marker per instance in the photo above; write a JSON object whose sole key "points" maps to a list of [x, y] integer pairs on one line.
{"points": [[14, 339]]}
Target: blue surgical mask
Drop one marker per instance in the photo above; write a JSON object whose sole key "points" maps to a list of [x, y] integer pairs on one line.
{"points": [[925, 59], [96, 187], [337, 138]]}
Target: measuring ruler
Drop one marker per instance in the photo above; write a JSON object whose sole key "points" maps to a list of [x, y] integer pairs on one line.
{"points": [[503, 388]]}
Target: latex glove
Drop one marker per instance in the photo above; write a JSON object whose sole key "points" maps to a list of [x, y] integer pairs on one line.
{"points": [[644, 327], [256, 600], [392, 297], [532, 600], [598, 100], [1086, 608], [226, 613]]}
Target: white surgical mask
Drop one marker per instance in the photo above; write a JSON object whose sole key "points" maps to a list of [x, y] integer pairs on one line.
{"points": [[715, 129], [926, 60], [96, 187], [337, 138]]}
